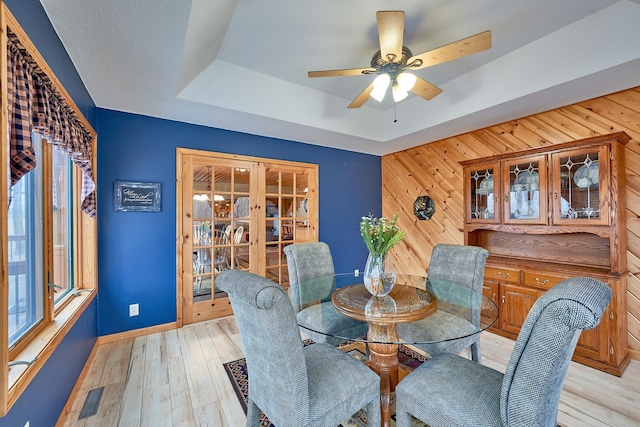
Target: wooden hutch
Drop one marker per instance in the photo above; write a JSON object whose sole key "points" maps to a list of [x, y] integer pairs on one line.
{"points": [[546, 214]]}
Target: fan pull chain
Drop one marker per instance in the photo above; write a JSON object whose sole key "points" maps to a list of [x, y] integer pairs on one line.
{"points": [[395, 113]]}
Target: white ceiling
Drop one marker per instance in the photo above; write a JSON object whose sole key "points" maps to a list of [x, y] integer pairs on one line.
{"points": [[242, 64]]}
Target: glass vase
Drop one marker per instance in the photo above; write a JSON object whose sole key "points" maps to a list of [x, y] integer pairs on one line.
{"points": [[379, 274]]}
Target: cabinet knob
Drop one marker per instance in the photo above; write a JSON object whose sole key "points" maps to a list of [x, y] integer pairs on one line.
{"points": [[503, 298], [502, 275], [555, 195], [493, 298], [542, 282]]}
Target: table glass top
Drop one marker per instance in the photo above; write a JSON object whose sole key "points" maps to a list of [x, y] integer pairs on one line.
{"points": [[339, 306]]}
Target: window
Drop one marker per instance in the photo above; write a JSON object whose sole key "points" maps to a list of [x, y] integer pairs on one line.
{"points": [[41, 210], [26, 268], [48, 238], [62, 225]]}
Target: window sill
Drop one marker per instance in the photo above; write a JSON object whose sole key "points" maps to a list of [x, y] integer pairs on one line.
{"points": [[43, 346]]}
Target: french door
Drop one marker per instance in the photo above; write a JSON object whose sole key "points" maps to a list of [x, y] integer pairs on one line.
{"points": [[237, 212]]}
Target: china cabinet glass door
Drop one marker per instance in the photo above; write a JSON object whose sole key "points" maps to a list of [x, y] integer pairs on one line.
{"points": [[580, 186], [525, 196], [484, 191]]}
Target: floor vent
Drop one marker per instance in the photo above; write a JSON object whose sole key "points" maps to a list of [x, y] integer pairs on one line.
{"points": [[91, 403]]}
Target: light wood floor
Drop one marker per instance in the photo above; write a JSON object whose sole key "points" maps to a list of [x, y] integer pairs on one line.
{"points": [[176, 378]]}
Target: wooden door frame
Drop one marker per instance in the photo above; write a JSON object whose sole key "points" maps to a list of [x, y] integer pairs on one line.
{"points": [[257, 190]]}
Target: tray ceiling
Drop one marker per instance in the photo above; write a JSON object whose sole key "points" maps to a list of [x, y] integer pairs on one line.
{"points": [[242, 65]]}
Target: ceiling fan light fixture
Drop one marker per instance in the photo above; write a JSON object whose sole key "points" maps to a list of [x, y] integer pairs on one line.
{"points": [[406, 80], [399, 93], [380, 85]]}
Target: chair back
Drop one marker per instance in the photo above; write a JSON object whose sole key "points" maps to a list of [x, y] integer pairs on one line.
{"points": [[532, 383], [461, 264], [273, 347], [237, 236], [307, 261], [221, 250]]}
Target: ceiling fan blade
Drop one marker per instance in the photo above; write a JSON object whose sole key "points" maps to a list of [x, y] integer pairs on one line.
{"points": [[425, 90], [347, 72], [390, 33], [362, 98], [454, 50]]}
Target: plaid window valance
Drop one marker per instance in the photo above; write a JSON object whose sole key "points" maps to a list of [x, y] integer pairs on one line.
{"points": [[34, 105]]}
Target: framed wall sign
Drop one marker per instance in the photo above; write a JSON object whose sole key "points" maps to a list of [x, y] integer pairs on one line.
{"points": [[137, 196]]}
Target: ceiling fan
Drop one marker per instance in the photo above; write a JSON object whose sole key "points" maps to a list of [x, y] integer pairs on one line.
{"points": [[393, 62]]}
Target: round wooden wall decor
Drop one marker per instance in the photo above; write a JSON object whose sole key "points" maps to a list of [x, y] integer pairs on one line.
{"points": [[424, 207]]}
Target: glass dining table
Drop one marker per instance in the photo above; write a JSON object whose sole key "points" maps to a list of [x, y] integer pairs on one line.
{"points": [[339, 310]]}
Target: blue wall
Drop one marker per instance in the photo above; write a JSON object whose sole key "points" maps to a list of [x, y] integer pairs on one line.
{"points": [[49, 390], [137, 250]]}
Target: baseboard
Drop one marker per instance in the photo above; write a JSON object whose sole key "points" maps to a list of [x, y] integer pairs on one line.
{"points": [[136, 333]]}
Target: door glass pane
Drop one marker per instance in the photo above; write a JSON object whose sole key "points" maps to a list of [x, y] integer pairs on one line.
{"points": [[286, 183], [272, 225], [62, 224], [302, 208], [579, 186], [241, 180], [272, 182], [203, 231], [301, 231], [240, 247], [482, 195], [288, 207], [524, 193], [302, 184], [202, 183], [25, 252], [287, 230]]}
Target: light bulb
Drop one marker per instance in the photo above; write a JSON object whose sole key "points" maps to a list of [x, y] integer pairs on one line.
{"points": [[406, 80], [398, 93], [380, 85]]}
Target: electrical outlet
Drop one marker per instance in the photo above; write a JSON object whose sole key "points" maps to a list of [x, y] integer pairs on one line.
{"points": [[134, 310], [356, 272]]}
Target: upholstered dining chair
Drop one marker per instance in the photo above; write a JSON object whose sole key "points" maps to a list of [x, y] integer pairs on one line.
{"points": [[463, 265], [313, 260], [449, 390], [293, 385]]}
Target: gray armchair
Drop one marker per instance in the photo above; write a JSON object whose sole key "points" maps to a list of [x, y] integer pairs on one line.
{"points": [[450, 390], [459, 264], [293, 385], [310, 279]]}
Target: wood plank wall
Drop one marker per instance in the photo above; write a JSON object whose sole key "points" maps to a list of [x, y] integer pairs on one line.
{"points": [[432, 169]]}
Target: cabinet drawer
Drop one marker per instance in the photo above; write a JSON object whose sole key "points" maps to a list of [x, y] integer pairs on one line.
{"points": [[502, 274], [541, 280]]}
